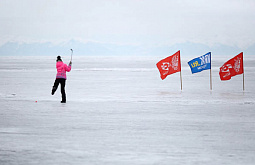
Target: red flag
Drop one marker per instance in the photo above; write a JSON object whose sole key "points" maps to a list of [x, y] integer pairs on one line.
{"points": [[169, 65], [232, 67]]}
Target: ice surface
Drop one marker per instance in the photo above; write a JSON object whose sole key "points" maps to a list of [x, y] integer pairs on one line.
{"points": [[120, 112]]}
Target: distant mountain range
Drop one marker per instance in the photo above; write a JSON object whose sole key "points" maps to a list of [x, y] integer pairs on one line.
{"points": [[104, 49]]}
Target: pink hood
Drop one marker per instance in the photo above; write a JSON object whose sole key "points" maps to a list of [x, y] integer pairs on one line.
{"points": [[62, 69]]}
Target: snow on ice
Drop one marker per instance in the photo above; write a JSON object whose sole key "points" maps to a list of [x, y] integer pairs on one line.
{"points": [[119, 111]]}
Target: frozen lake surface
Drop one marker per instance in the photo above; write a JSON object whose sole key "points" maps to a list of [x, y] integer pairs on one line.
{"points": [[119, 112]]}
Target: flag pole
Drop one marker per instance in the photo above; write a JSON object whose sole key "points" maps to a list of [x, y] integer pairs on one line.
{"points": [[180, 69], [181, 79], [243, 81], [211, 71], [211, 79], [243, 77]]}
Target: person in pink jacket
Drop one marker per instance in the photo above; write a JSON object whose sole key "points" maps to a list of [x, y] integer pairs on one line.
{"points": [[61, 77]]}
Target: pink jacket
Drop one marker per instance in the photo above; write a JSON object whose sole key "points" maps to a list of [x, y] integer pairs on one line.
{"points": [[61, 69]]}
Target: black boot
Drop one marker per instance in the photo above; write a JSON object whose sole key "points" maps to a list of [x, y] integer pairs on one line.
{"points": [[53, 90], [63, 98]]}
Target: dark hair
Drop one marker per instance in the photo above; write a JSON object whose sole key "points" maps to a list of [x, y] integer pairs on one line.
{"points": [[58, 58]]}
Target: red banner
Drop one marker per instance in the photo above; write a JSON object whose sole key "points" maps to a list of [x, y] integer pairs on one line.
{"points": [[232, 67], [169, 65]]}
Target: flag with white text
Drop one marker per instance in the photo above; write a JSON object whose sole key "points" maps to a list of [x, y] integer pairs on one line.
{"points": [[201, 63], [232, 67], [169, 65]]}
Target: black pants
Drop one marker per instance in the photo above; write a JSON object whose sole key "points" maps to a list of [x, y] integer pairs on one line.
{"points": [[62, 82]]}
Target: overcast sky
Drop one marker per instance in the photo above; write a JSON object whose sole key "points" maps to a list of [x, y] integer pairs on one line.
{"points": [[150, 22]]}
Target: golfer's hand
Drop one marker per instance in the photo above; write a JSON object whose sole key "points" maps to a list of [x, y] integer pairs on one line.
{"points": [[70, 63]]}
